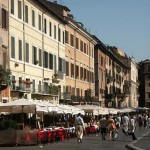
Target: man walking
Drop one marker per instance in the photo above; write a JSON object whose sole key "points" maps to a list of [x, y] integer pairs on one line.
{"points": [[79, 125], [103, 126]]}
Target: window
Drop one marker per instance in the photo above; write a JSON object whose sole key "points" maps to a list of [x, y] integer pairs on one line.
{"points": [[85, 77], [54, 62], [19, 9], [4, 18], [148, 68], [4, 59], [40, 27], [34, 55], [28, 85], [20, 50], [77, 71], [77, 43], [45, 59], [27, 53], [81, 46], [12, 7], [46, 87], [81, 73], [40, 57], [148, 95], [54, 31], [63, 37], [71, 40], [45, 26], [85, 48], [33, 18], [66, 37], [12, 47], [50, 29], [51, 61], [88, 76], [26, 14], [67, 68], [72, 70], [20, 83], [33, 85], [13, 83], [40, 87], [60, 64], [102, 61], [59, 35]]}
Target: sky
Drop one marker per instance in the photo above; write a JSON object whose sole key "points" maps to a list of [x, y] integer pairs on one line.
{"points": [[121, 23]]}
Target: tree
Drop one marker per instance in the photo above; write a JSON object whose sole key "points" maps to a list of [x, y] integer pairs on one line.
{"points": [[5, 77], [53, 89]]}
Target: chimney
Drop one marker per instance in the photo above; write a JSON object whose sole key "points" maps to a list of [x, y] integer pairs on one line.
{"points": [[55, 2]]}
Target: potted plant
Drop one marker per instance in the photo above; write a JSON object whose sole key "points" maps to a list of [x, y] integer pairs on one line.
{"points": [[55, 75], [36, 62], [13, 81], [16, 64]]}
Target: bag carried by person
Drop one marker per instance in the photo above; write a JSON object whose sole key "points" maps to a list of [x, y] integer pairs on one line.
{"points": [[113, 126]]}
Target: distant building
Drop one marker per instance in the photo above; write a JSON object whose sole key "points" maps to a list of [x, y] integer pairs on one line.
{"points": [[144, 88]]}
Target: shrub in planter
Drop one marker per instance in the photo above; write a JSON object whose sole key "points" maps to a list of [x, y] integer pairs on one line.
{"points": [[5, 124]]}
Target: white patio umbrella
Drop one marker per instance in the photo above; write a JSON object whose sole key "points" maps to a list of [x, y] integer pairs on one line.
{"points": [[89, 108], [24, 105], [64, 109]]}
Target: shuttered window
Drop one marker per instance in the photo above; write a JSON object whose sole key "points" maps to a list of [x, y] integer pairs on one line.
{"points": [[19, 9], [26, 13], [20, 49], [27, 53], [12, 47]]}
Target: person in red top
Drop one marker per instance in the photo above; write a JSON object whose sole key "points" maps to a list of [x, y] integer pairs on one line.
{"points": [[111, 127]]}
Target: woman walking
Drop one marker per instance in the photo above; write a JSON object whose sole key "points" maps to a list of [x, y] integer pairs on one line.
{"points": [[111, 127]]}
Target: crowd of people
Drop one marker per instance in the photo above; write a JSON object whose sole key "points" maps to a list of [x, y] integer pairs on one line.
{"points": [[109, 125]]}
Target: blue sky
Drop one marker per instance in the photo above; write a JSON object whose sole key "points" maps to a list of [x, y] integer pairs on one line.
{"points": [[121, 23]]}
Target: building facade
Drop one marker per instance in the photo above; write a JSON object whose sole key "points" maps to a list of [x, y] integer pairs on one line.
{"points": [[36, 50], [144, 88], [4, 31]]}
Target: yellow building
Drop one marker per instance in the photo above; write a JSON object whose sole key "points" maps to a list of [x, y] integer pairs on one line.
{"points": [[37, 49], [79, 59]]}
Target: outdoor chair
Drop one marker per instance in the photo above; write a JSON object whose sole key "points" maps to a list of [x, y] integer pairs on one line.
{"points": [[60, 135], [53, 135]]}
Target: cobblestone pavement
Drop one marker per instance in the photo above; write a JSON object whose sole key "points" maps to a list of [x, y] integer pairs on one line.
{"points": [[90, 142]]}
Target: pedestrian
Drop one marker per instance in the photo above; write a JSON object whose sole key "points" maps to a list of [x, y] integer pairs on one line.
{"points": [[140, 122], [79, 126], [132, 127], [145, 121], [125, 124], [111, 127], [118, 121], [103, 127]]}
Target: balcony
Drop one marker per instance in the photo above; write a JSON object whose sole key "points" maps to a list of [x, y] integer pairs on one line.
{"points": [[3, 86], [66, 96], [55, 78], [23, 89], [40, 90]]}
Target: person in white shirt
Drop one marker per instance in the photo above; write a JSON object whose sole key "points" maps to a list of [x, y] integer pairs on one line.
{"points": [[79, 126], [132, 127]]}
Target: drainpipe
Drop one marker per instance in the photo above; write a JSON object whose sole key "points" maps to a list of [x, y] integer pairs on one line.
{"points": [[24, 39], [43, 41], [75, 84]]}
